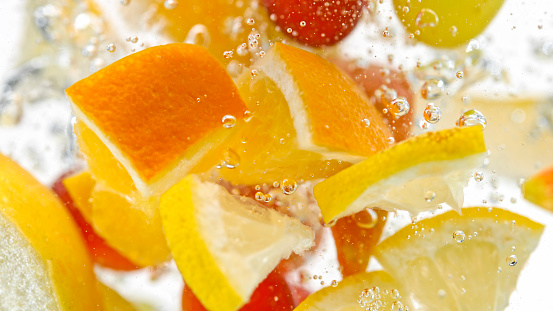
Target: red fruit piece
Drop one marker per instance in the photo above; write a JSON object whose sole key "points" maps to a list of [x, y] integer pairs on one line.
{"points": [[271, 294], [100, 251], [315, 22], [371, 80], [355, 237]]}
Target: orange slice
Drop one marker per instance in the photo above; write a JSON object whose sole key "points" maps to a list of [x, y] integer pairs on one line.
{"points": [[141, 239], [44, 262], [158, 112], [539, 189], [307, 120]]}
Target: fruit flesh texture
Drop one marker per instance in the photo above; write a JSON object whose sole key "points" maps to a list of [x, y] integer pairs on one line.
{"points": [[539, 189], [143, 125], [265, 158], [467, 273], [100, 251], [469, 19], [315, 23], [141, 239], [37, 215]]}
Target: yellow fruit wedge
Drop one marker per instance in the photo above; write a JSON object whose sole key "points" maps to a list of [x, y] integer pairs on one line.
{"points": [[44, 263], [461, 262], [307, 120], [140, 239], [224, 246], [539, 189], [359, 292], [415, 175]]}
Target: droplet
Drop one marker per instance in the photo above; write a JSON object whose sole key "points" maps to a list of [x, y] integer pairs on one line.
{"points": [[170, 4], [248, 115], [133, 39], [432, 113], [303, 23], [334, 283], [250, 21], [512, 260], [432, 89], [471, 118], [259, 196], [229, 121], [478, 176], [365, 219], [441, 293], [429, 196], [460, 74], [125, 2], [453, 31], [459, 236], [399, 106], [405, 9], [397, 306], [228, 54], [390, 140], [254, 72], [395, 294], [426, 18], [367, 122], [267, 198], [230, 158], [288, 186], [111, 48]]}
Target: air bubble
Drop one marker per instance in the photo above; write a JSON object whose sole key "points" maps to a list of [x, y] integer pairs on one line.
{"points": [[459, 236], [229, 121], [429, 196], [471, 118], [512, 260], [426, 18], [170, 4], [460, 74], [230, 159], [478, 176], [288, 186], [399, 106], [432, 89], [111, 48], [432, 113], [367, 122], [366, 219]]}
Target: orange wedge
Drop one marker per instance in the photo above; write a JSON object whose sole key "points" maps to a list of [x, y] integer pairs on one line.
{"points": [[308, 120], [538, 189], [153, 116]]}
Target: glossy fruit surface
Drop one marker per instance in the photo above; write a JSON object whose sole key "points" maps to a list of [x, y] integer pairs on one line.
{"points": [[315, 22]]}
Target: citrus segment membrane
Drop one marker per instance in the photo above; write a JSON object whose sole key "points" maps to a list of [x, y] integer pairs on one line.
{"points": [[416, 175], [224, 246], [158, 111], [461, 262], [43, 259]]}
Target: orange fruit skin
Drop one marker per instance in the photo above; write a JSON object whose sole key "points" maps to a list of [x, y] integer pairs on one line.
{"points": [[336, 118], [155, 104], [101, 253], [371, 79]]}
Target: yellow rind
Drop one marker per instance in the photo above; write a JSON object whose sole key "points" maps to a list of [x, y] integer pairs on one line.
{"points": [[336, 193], [344, 296], [209, 284], [50, 230]]}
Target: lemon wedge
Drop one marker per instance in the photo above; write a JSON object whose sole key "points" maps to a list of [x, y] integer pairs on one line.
{"points": [[358, 292], [461, 262], [223, 245], [416, 175]]}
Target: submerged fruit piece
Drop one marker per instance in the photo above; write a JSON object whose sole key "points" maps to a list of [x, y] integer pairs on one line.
{"points": [[539, 189], [314, 22], [271, 294], [75, 191], [382, 85], [445, 272], [43, 259], [361, 291], [224, 246], [355, 238], [140, 239], [158, 112], [113, 301], [446, 23], [416, 175], [304, 113]]}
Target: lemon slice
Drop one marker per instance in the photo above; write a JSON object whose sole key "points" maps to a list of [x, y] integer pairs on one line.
{"points": [[461, 262], [416, 175], [224, 246], [357, 292]]}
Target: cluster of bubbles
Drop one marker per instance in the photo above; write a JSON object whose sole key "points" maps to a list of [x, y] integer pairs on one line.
{"points": [[372, 299]]}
